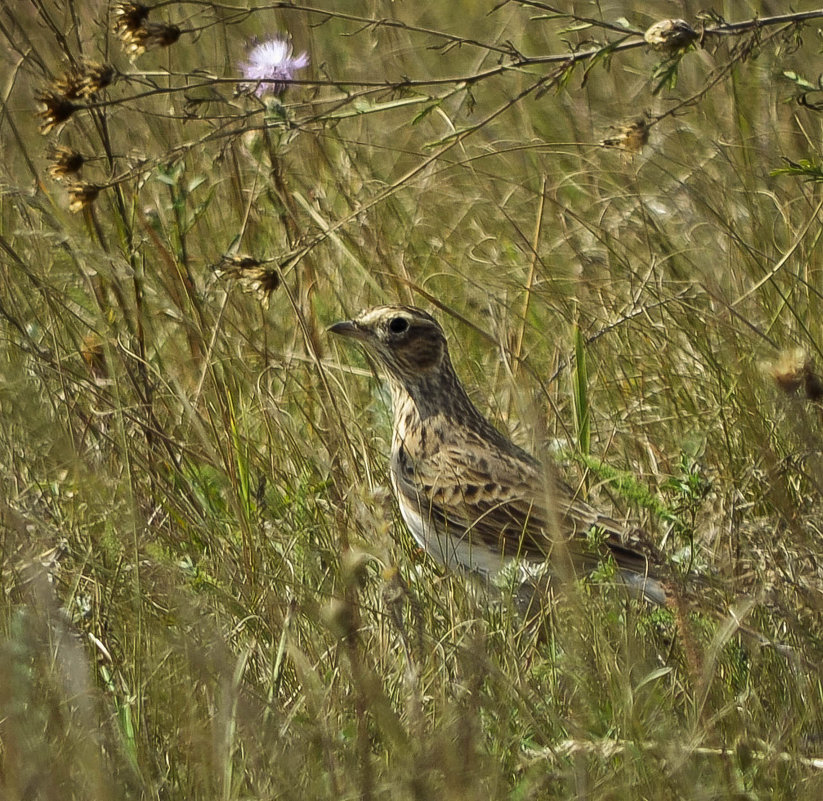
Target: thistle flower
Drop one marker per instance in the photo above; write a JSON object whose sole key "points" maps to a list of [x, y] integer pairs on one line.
{"points": [[670, 35], [272, 64], [82, 195], [630, 137], [253, 276], [57, 108], [65, 161]]}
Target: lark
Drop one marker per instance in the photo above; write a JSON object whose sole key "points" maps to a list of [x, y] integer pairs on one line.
{"points": [[470, 497]]}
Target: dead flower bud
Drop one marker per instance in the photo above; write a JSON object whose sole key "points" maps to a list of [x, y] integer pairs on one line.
{"points": [[149, 35], [794, 369], [254, 277], [630, 137], [670, 35], [129, 17], [96, 77], [65, 161], [57, 108], [82, 195], [84, 81], [790, 370]]}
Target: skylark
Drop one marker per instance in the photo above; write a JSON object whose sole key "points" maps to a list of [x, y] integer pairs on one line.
{"points": [[470, 497]]}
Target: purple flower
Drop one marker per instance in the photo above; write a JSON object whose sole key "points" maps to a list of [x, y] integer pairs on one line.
{"points": [[272, 61]]}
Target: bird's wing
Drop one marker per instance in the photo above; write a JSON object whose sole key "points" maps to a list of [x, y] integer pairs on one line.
{"points": [[470, 492]]}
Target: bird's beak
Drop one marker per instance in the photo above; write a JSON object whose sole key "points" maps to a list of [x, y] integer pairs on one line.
{"points": [[347, 328]]}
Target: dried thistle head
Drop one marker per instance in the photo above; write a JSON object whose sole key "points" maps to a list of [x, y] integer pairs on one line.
{"points": [[69, 83], [56, 109], [96, 77], [84, 81], [129, 17], [82, 195], [631, 137], [65, 161], [254, 277], [150, 34], [794, 369], [670, 35], [790, 369]]}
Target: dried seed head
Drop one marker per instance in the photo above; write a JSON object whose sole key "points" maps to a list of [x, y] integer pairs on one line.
{"points": [[254, 277], [57, 108], [670, 35], [68, 84], [791, 369], [630, 137], [129, 17], [65, 161], [82, 195], [96, 77], [85, 80], [794, 369], [150, 34]]}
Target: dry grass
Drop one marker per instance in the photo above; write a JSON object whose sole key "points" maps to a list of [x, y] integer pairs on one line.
{"points": [[206, 589]]}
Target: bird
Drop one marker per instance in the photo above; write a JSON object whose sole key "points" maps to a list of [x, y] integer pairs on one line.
{"points": [[471, 498]]}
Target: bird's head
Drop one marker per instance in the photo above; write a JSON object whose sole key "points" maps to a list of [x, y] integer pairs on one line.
{"points": [[408, 342]]}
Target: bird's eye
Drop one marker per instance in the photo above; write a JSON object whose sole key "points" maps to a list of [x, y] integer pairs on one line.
{"points": [[398, 325]]}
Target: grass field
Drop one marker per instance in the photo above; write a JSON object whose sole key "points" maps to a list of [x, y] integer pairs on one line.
{"points": [[207, 591]]}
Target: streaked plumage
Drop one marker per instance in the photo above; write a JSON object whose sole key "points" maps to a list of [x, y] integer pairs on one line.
{"points": [[470, 496]]}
